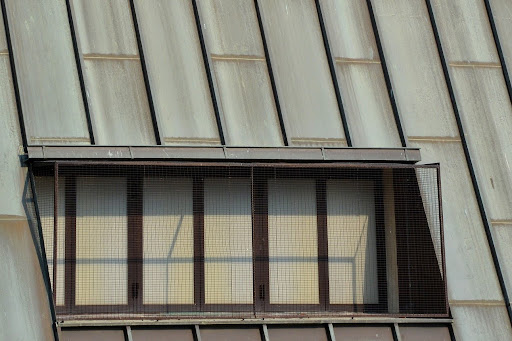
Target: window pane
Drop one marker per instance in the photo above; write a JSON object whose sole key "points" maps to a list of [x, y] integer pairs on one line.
{"points": [[168, 237], [101, 241], [352, 242], [228, 241], [292, 239]]}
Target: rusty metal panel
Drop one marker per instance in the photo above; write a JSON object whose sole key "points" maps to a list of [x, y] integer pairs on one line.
{"points": [[301, 70], [470, 270], [360, 77], [486, 114], [363, 333], [105, 27], [481, 322], [424, 333], [414, 67], [97, 335], [502, 13], [47, 76], [118, 102], [230, 333], [176, 72], [297, 333], [174, 334], [465, 31]]}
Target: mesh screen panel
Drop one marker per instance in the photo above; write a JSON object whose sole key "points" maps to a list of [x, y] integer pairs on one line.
{"points": [[168, 240]]}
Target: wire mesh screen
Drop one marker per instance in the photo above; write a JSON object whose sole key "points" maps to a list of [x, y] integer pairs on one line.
{"points": [[247, 240]]}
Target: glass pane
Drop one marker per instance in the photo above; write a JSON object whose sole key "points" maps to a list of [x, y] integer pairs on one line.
{"points": [[415, 68], [47, 76], [486, 115], [293, 243], [118, 102], [101, 241], [168, 241], [105, 27], [297, 333], [363, 333], [228, 241], [233, 39], [302, 75], [45, 191], [176, 72], [352, 242], [465, 31]]}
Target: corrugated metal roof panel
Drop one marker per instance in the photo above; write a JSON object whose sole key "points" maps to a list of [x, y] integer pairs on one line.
{"points": [[105, 27], [481, 323], [176, 72], [414, 67], [470, 271], [118, 102], [465, 31], [303, 80], [47, 76], [486, 114]]}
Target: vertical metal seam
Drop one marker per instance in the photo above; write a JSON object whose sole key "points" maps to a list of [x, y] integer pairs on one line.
{"points": [[208, 72], [149, 94], [21, 121], [271, 74], [80, 72], [467, 155], [394, 107], [332, 70], [43, 261], [498, 48]]}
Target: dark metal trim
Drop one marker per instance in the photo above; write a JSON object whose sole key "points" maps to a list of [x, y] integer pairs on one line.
{"points": [[55, 228], [396, 112], [323, 241], [80, 71], [198, 216], [483, 214], [43, 262], [134, 205], [332, 69], [208, 72], [271, 74], [21, 122], [145, 74], [70, 245], [498, 48]]}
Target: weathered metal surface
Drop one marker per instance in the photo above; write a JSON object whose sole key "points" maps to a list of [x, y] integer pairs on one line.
{"points": [[97, 335], [181, 334], [176, 72], [411, 155], [234, 42], [480, 322], [24, 303], [414, 67], [300, 66], [486, 114], [363, 333], [228, 334], [47, 76], [502, 234], [470, 270], [465, 31], [424, 333], [294, 334], [367, 106], [105, 27], [118, 102], [502, 13]]}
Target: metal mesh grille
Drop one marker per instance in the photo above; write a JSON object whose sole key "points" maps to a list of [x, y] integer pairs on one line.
{"points": [[246, 240]]}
